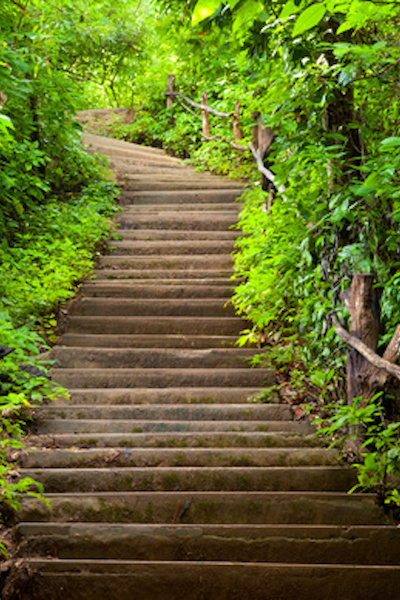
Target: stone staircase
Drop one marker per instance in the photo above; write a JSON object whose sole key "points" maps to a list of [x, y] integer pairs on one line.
{"points": [[166, 479]]}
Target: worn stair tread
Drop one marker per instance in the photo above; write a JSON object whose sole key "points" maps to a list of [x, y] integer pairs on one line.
{"points": [[177, 439], [245, 412], [111, 142], [206, 542], [155, 289], [220, 276], [199, 507], [164, 247], [146, 341], [163, 425], [197, 208], [176, 234], [163, 377], [211, 580], [158, 325], [189, 478], [118, 456], [178, 261], [143, 184], [196, 307], [191, 395], [119, 358]]}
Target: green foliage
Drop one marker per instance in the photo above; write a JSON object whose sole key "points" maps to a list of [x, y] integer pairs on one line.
{"points": [[55, 200], [37, 272], [378, 466]]}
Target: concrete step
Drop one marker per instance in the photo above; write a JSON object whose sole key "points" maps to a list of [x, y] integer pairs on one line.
{"points": [[147, 341], [156, 325], [178, 439], [167, 247], [186, 220], [172, 457], [316, 478], [143, 184], [163, 378], [190, 174], [180, 262], [132, 307], [138, 154], [223, 196], [91, 138], [148, 425], [181, 412], [323, 508], [172, 395], [153, 289], [148, 164], [242, 543], [195, 208], [212, 580], [151, 358], [177, 234], [193, 276]]}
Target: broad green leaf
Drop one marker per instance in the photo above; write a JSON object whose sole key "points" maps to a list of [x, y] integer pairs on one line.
{"points": [[289, 9], [310, 17], [345, 26], [204, 9]]}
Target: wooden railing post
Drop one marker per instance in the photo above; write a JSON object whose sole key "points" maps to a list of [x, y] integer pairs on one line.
{"points": [[237, 131], [170, 90], [364, 325], [254, 130], [205, 116]]}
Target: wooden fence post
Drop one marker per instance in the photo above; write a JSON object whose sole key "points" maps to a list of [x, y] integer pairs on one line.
{"points": [[170, 90], [205, 116], [237, 131]]}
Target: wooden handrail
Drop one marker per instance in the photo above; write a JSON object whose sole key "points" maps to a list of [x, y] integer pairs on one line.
{"points": [[204, 107], [262, 137]]}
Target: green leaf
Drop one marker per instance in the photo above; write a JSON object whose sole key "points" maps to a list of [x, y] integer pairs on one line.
{"points": [[204, 9], [309, 18], [246, 14], [288, 10], [390, 142]]}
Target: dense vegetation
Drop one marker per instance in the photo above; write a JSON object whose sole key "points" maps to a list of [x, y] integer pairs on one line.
{"points": [[54, 210], [324, 77]]}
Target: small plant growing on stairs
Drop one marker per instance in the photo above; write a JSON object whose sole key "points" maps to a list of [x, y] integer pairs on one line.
{"points": [[377, 458]]}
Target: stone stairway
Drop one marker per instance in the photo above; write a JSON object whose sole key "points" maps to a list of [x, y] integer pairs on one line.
{"points": [[166, 479]]}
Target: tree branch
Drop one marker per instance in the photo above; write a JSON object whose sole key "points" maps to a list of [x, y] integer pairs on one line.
{"points": [[266, 172], [370, 355]]}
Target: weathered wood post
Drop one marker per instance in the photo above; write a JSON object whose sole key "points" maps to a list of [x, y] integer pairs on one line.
{"points": [[363, 305], [205, 116], [170, 90], [254, 130], [237, 131], [264, 143]]}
